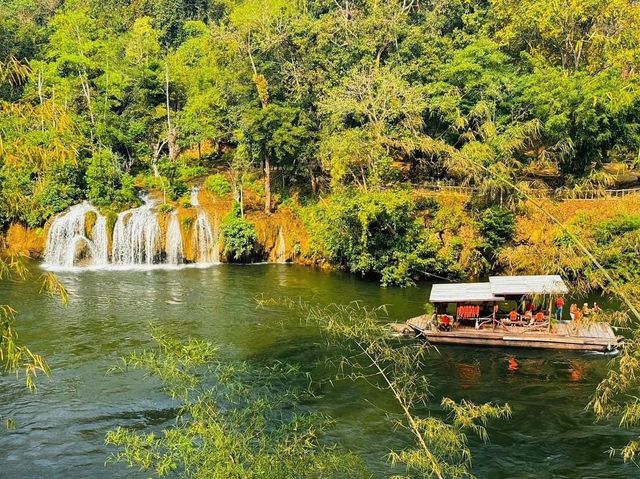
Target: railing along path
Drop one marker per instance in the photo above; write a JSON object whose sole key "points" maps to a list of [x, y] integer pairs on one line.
{"points": [[583, 195]]}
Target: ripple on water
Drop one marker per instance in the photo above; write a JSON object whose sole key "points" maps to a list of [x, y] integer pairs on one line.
{"points": [[61, 429]]}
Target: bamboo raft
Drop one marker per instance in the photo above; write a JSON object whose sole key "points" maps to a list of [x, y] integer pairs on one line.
{"points": [[563, 335]]}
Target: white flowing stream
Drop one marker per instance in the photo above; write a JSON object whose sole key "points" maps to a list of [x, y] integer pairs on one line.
{"points": [[79, 237]]}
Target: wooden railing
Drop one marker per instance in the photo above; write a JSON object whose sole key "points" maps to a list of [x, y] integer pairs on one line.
{"points": [[584, 195]]}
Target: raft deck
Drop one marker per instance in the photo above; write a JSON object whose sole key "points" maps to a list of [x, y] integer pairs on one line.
{"points": [[569, 336]]}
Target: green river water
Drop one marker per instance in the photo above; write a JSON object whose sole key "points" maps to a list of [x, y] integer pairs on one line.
{"points": [[60, 430]]}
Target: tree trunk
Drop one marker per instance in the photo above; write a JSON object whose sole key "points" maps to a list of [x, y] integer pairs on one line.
{"points": [[267, 184], [172, 134], [314, 182]]}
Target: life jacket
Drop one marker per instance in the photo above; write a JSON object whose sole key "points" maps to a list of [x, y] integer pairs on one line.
{"points": [[513, 315], [540, 316]]}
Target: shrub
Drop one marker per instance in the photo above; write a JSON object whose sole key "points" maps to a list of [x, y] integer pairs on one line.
{"points": [[187, 222], [617, 227], [239, 235], [498, 226], [185, 202], [172, 188], [106, 183], [376, 233], [217, 184], [165, 208], [186, 172]]}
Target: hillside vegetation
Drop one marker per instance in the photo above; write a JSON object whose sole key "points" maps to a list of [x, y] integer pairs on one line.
{"points": [[337, 112]]}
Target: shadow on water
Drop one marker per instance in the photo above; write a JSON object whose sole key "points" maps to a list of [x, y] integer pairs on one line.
{"points": [[61, 429]]}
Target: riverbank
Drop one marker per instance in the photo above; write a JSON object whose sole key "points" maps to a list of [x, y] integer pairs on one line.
{"points": [[334, 234]]}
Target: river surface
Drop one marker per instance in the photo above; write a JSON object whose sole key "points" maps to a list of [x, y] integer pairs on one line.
{"points": [[60, 430]]}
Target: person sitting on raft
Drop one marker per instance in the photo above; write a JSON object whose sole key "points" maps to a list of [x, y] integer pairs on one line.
{"points": [[596, 308], [445, 323], [585, 309]]}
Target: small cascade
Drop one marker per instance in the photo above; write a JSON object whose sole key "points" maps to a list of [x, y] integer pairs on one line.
{"points": [[136, 237], [205, 240], [70, 244], [281, 247], [195, 202], [173, 241]]}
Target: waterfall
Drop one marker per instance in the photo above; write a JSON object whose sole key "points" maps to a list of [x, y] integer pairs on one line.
{"points": [[136, 236], [173, 246], [79, 237], [195, 202], [205, 239], [68, 242], [281, 247]]}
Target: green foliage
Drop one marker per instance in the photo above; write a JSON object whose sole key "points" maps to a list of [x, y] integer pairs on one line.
{"points": [[523, 90], [217, 184], [230, 423], [498, 226], [239, 235], [617, 227], [106, 183], [376, 233], [165, 208], [187, 172]]}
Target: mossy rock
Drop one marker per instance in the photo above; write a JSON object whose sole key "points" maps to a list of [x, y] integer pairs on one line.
{"points": [[89, 223]]}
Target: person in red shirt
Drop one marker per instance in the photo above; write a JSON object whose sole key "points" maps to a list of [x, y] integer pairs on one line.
{"points": [[445, 324], [559, 307]]}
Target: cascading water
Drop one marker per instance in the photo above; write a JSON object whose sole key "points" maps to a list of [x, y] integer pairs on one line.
{"points": [[173, 246], [195, 202], [136, 236], [79, 237], [70, 244], [205, 238], [281, 248]]}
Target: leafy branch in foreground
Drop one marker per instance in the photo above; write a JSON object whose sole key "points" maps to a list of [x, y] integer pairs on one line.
{"points": [[15, 357], [618, 394], [232, 424], [441, 448]]}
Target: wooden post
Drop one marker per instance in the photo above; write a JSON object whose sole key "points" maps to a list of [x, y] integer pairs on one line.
{"points": [[550, 310]]}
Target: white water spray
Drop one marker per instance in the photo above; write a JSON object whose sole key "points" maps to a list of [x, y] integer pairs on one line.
{"points": [[205, 239], [136, 236], [68, 244], [173, 246], [195, 202]]}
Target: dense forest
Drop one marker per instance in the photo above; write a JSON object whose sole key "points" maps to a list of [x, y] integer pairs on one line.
{"points": [[359, 104]]}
